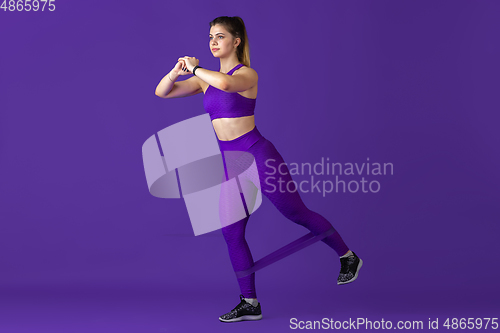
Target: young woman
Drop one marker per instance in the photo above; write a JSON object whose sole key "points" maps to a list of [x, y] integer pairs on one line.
{"points": [[230, 96]]}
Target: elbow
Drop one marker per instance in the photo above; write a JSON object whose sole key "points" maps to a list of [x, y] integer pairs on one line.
{"points": [[160, 95], [224, 85]]}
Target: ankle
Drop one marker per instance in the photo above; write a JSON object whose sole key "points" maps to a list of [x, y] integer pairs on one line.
{"points": [[252, 301], [348, 254]]}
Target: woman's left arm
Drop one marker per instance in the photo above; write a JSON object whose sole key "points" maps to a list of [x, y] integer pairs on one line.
{"points": [[245, 79]]}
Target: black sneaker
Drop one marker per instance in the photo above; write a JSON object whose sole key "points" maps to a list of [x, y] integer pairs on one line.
{"points": [[349, 268], [242, 311]]}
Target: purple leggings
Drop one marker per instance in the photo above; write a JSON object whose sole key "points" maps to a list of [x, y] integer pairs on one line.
{"points": [[288, 203]]}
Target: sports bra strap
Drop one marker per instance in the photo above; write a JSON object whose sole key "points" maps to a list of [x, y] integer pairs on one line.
{"points": [[235, 68]]}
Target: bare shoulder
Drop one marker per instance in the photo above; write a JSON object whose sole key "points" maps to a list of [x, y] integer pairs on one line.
{"points": [[246, 71], [247, 82], [250, 77]]}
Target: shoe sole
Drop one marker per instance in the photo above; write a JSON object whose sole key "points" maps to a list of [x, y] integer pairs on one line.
{"points": [[247, 317], [355, 275]]}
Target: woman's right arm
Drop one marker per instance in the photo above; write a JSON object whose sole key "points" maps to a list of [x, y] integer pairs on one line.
{"points": [[168, 88]]}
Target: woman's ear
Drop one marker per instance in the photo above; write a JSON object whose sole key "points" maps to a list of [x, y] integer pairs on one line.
{"points": [[237, 41]]}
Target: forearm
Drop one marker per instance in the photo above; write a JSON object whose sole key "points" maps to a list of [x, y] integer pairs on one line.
{"points": [[214, 78], [166, 84]]}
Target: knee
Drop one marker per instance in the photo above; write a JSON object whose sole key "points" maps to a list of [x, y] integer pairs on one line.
{"points": [[298, 213]]}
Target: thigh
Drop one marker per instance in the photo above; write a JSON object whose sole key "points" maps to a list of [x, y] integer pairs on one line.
{"points": [[231, 205], [276, 183]]}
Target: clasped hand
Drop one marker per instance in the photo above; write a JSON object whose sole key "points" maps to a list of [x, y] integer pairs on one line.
{"points": [[185, 65]]}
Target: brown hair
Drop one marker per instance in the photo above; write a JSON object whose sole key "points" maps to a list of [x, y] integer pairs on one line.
{"points": [[237, 29]]}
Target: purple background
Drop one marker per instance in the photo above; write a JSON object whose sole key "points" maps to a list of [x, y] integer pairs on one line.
{"points": [[86, 248]]}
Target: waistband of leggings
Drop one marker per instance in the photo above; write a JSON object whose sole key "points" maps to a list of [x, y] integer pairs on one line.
{"points": [[242, 142]]}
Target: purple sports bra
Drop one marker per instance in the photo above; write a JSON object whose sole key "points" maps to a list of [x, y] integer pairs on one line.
{"points": [[221, 104]]}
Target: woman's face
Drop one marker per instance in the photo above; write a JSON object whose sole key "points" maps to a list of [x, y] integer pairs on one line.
{"points": [[222, 43]]}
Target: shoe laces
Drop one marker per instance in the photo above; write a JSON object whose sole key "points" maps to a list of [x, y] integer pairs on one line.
{"points": [[242, 303]]}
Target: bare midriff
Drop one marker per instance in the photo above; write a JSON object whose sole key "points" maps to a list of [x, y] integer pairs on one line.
{"points": [[232, 128]]}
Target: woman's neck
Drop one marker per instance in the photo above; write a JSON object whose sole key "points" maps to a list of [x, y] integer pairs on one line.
{"points": [[227, 64]]}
